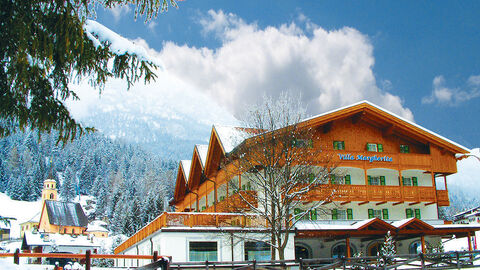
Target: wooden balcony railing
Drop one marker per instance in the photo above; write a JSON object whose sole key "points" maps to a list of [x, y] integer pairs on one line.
{"points": [[235, 203], [190, 219], [442, 198], [378, 193]]}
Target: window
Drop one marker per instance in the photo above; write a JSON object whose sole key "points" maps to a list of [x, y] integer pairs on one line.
{"points": [[259, 251], [374, 147], [340, 250], [417, 214], [340, 180], [413, 213], [380, 213], [203, 251], [304, 143], [410, 181], [51, 196], [307, 177], [376, 180], [409, 213], [404, 148], [311, 215], [338, 145], [342, 214], [222, 198], [247, 186]]}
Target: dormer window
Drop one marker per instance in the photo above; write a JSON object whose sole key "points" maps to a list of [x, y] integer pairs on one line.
{"points": [[374, 147], [404, 148], [339, 145]]}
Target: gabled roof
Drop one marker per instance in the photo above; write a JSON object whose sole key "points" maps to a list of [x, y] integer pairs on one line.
{"points": [[231, 137], [412, 224], [373, 224], [202, 150], [66, 214], [390, 119], [185, 167], [182, 178]]}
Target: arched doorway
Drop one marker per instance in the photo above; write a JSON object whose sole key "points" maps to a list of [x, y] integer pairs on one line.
{"points": [[302, 252], [415, 247], [340, 250], [374, 249]]}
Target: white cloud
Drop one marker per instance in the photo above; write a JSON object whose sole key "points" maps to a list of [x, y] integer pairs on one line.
{"points": [[118, 11], [444, 95], [151, 25], [329, 68]]}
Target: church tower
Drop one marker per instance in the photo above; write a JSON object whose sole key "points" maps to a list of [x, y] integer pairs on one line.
{"points": [[49, 191]]}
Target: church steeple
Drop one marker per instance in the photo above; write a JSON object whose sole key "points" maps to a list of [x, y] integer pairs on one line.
{"points": [[49, 191]]}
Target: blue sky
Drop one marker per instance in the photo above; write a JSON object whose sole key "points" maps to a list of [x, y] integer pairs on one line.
{"points": [[419, 59]]}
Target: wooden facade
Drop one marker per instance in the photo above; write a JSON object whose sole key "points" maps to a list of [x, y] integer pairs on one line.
{"points": [[403, 150]]}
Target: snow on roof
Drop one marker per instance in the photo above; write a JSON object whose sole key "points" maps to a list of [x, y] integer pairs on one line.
{"points": [[93, 227], [202, 152], [42, 239], [66, 214], [400, 223], [35, 218], [186, 168], [231, 137], [466, 211], [391, 113], [318, 225]]}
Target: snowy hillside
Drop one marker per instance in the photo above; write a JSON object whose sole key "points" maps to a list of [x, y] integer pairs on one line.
{"points": [[168, 115], [20, 210], [464, 186]]}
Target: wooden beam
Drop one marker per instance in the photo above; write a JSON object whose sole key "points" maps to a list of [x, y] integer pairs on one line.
{"points": [[388, 131], [413, 203], [469, 242], [327, 127], [380, 203], [424, 249], [397, 203], [430, 203], [347, 243], [347, 202], [362, 203], [326, 202], [357, 117]]}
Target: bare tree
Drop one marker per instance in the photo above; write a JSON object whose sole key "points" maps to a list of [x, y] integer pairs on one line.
{"points": [[278, 172]]}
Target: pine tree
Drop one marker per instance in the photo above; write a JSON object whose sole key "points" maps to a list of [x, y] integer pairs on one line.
{"points": [[388, 250], [67, 190], [43, 44]]}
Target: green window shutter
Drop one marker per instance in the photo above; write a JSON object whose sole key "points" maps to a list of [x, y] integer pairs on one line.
{"points": [[369, 180], [380, 147], [222, 198], [407, 149], [244, 187], [366, 147], [297, 211], [417, 214], [414, 181], [334, 214], [382, 180], [385, 213], [332, 178], [335, 145], [348, 181], [349, 214], [311, 177], [409, 213], [249, 186], [370, 213], [403, 180], [343, 145], [313, 214]]}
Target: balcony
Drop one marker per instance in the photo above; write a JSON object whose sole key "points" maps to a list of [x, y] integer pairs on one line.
{"points": [[235, 203], [378, 193], [191, 219]]}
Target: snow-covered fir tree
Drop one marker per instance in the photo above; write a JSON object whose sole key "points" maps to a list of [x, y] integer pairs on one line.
{"points": [[388, 249]]}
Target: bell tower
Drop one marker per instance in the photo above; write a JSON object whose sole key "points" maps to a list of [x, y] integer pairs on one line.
{"points": [[49, 191]]}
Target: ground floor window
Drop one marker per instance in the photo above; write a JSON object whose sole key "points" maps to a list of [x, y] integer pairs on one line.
{"points": [[203, 251], [340, 250], [259, 251], [301, 252], [415, 247]]}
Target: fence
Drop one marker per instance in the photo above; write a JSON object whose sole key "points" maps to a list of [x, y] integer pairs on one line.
{"points": [[447, 260], [158, 262]]}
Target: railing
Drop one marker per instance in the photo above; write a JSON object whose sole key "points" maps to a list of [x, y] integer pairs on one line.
{"points": [[235, 203], [442, 198], [87, 257], [377, 193], [448, 260], [190, 219]]}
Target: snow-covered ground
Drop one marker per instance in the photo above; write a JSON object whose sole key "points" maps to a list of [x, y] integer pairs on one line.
{"points": [[20, 210]]}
